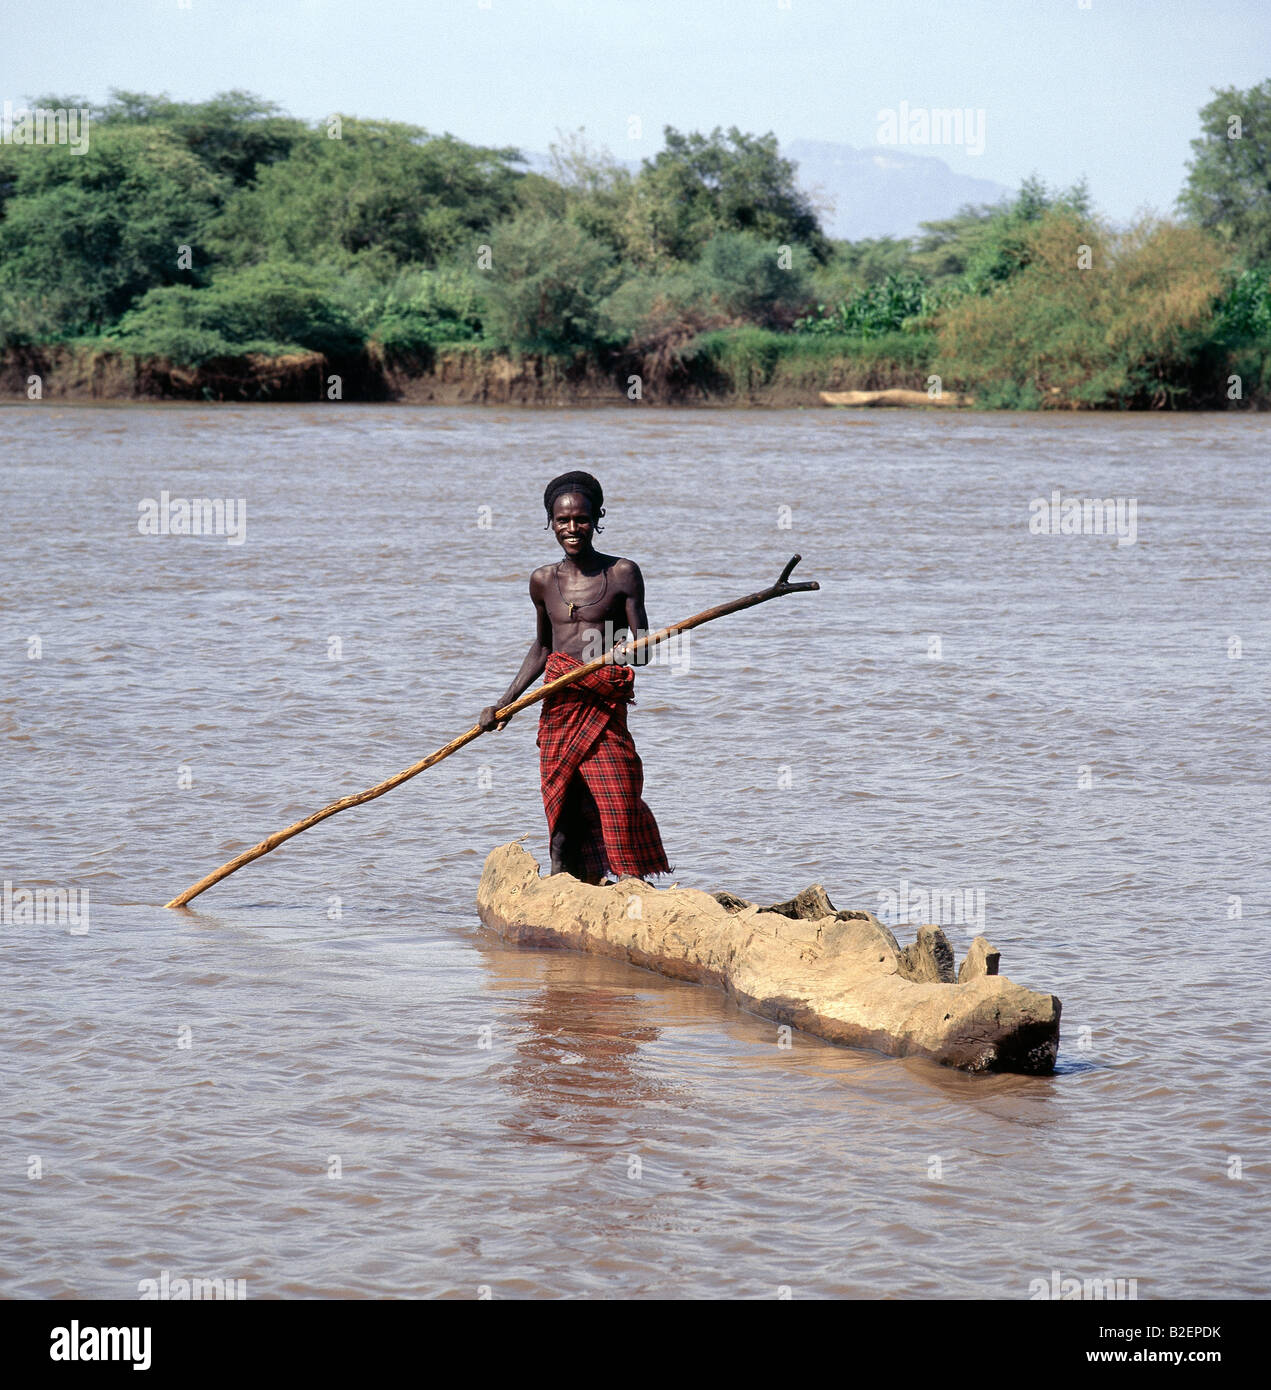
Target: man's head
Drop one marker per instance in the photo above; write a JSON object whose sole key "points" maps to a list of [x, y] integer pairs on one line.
{"points": [[575, 504]]}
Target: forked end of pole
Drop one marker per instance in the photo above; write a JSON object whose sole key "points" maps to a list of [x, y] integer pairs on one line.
{"points": [[783, 584]]}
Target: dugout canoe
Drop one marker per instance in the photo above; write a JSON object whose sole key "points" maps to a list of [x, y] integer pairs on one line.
{"points": [[839, 975], [894, 395]]}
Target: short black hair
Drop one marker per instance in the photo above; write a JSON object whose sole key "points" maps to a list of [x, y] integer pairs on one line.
{"points": [[577, 481]]}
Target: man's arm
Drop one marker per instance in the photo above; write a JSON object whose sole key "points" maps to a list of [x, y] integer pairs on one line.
{"points": [[533, 665], [637, 619]]}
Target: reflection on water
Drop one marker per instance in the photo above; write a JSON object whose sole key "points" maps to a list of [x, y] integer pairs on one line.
{"points": [[328, 1080], [576, 1060]]}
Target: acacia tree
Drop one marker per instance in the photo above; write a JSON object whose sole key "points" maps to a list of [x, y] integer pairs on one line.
{"points": [[546, 287], [700, 185], [234, 133], [382, 189], [1229, 177], [84, 235]]}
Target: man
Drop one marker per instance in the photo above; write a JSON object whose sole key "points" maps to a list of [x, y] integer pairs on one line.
{"points": [[592, 776]]}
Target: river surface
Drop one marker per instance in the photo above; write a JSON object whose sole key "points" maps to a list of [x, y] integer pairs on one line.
{"points": [[330, 1080]]}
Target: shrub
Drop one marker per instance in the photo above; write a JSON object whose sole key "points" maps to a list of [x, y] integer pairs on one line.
{"points": [[878, 309], [422, 309], [1244, 314], [546, 287], [747, 277], [265, 308], [1127, 330]]}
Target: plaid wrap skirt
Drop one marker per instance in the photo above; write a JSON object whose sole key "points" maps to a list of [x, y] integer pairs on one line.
{"points": [[592, 776]]}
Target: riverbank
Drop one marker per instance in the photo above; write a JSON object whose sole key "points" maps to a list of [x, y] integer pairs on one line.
{"points": [[747, 367]]}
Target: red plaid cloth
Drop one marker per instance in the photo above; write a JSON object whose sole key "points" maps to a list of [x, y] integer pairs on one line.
{"points": [[593, 776]]}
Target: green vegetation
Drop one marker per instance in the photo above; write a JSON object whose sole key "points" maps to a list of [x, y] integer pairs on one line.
{"points": [[1229, 180], [198, 233], [742, 360], [875, 309], [268, 308], [1128, 328]]}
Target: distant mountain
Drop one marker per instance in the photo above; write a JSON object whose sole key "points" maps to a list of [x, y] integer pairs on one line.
{"points": [[883, 190]]}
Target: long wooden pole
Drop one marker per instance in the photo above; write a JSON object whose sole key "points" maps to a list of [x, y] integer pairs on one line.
{"points": [[621, 651]]}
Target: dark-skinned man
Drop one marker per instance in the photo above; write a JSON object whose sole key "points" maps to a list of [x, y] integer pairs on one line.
{"points": [[592, 777]]}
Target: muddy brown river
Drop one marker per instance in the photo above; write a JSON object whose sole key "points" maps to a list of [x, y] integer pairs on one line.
{"points": [[329, 1080]]}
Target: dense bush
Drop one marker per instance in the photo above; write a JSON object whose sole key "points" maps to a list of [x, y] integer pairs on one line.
{"points": [[1244, 314], [423, 309], [270, 308], [1120, 332], [546, 287], [84, 235], [881, 308], [749, 278], [191, 231]]}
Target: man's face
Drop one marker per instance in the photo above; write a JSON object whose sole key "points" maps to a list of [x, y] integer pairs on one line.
{"points": [[573, 524]]}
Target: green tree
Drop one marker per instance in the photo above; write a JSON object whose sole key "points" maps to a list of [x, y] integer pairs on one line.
{"points": [[267, 308], [703, 184], [1244, 315], [593, 190], [854, 265], [233, 134], [945, 247], [422, 309], [987, 245], [754, 280], [546, 287], [382, 190], [1228, 187], [86, 234]]}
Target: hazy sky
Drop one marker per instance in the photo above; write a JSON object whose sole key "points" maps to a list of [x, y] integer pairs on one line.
{"points": [[1111, 91]]}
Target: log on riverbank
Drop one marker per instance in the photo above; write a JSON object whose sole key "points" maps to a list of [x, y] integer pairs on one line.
{"points": [[839, 975], [892, 396]]}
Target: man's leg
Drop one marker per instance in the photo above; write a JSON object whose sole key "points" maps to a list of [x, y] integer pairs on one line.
{"points": [[560, 852], [564, 840], [576, 843]]}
